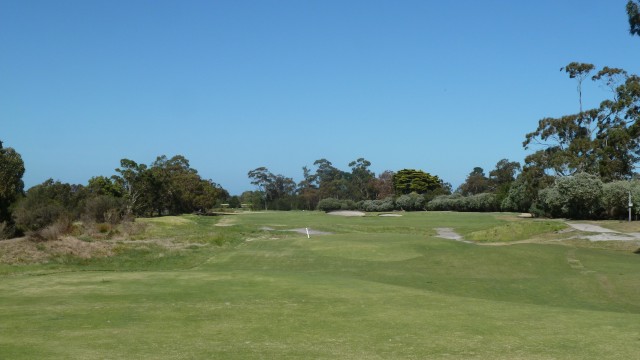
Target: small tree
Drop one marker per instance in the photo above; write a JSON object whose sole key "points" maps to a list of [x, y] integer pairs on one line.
{"points": [[407, 181], [475, 183], [11, 185]]}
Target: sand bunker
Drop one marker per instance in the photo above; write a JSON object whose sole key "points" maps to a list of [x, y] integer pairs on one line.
{"points": [[390, 215], [347, 213]]}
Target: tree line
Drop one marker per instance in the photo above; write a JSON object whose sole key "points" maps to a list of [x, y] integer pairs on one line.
{"points": [[278, 192], [582, 166], [168, 186]]}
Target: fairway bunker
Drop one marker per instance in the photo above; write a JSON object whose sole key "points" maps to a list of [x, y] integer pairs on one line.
{"points": [[346, 213], [450, 234]]}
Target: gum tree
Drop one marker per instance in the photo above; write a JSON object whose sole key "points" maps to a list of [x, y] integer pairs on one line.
{"points": [[11, 184]]}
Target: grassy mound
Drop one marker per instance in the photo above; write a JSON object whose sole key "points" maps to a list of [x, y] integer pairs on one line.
{"points": [[516, 230]]}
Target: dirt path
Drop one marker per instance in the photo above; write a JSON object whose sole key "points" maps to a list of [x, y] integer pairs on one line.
{"points": [[599, 234], [602, 234]]}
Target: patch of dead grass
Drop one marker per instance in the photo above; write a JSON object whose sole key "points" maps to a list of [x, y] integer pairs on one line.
{"points": [[25, 251]]}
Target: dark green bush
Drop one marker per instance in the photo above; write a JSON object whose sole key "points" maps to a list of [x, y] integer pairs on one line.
{"points": [[456, 202], [577, 197], [410, 202], [387, 204], [329, 204], [103, 209]]}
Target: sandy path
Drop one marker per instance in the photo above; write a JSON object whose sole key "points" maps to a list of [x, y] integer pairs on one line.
{"points": [[590, 228], [603, 234]]}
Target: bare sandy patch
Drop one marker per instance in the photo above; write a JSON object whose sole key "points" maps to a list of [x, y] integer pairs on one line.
{"points": [[299, 231], [311, 231], [226, 221], [390, 215], [170, 220], [347, 213], [450, 234], [602, 233], [590, 228]]}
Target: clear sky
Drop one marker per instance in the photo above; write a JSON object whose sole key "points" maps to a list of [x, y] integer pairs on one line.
{"points": [[441, 86]]}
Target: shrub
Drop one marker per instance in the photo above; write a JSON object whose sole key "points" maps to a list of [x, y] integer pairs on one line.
{"points": [[577, 197], [377, 205], [457, 202], [410, 202], [103, 209], [348, 205], [51, 232], [329, 204], [483, 202], [615, 198], [6, 230], [46, 203], [130, 227], [32, 216], [332, 204]]}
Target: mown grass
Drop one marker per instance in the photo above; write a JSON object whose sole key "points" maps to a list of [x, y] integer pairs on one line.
{"points": [[376, 288]]}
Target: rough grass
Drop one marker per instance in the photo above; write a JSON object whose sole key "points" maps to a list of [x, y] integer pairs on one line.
{"points": [[516, 230], [377, 288]]}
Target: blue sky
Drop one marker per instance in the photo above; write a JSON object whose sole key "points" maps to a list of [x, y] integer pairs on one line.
{"points": [[440, 86]]}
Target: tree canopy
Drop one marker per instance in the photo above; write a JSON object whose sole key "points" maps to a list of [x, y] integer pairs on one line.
{"points": [[407, 181], [633, 12], [602, 141], [11, 184]]}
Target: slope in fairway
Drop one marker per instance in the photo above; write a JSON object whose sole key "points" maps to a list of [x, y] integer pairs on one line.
{"points": [[376, 288]]}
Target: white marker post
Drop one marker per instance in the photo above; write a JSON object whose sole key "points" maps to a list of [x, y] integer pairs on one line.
{"points": [[308, 237], [630, 206]]}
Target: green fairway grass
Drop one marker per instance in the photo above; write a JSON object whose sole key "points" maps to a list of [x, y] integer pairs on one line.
{"points": [[374, 288]]}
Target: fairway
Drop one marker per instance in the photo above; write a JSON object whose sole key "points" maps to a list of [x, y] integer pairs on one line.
{"points": [[372, 288]]}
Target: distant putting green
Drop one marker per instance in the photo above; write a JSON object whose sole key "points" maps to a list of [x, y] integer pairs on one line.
{"points": [[374, 288]]}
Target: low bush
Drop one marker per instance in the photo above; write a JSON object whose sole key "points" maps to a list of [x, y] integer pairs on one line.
{"points": [[6, 230], [52, 231], [33, 216], [481, 203], [410, 202], [577, 197], [103, 209], [387, 204], [330, 204]]}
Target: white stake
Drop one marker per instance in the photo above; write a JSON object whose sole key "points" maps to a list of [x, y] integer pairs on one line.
{"points": [[308, 237]]}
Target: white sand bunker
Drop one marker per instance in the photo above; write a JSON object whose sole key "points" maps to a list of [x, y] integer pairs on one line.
{"points": [[390, 215], [347, 213]]}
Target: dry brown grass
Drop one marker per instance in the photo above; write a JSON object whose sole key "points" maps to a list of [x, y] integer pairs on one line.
{"points": [[25, 251]]}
